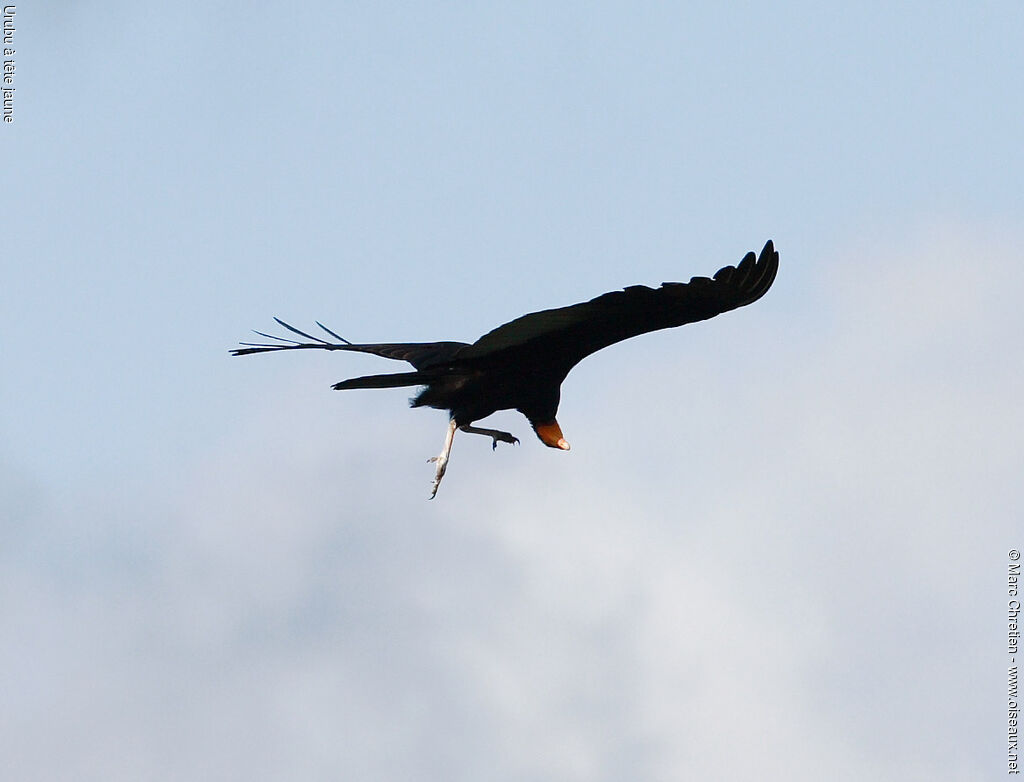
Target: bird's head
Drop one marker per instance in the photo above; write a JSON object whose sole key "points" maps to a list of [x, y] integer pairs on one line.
{"points": [[550, 433]]}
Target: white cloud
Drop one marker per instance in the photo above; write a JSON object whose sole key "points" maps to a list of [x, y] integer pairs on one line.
{"points": [[783, 573]]}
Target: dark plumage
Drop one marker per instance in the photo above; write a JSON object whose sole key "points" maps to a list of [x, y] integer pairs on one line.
{"points": [[521, 365]]}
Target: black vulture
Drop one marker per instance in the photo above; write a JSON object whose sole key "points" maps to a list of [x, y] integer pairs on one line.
{"points": [[521, 365]]}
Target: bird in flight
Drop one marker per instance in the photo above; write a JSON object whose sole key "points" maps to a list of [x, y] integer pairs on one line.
{"points": [[521, 365]]}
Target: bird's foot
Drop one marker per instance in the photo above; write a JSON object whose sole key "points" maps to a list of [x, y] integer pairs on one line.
{"points": [[504, 437], [442, 465], [442, 460], [494, 434]]}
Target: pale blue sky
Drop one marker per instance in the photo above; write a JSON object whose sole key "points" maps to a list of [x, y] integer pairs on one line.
{"points": [[787, 526]]}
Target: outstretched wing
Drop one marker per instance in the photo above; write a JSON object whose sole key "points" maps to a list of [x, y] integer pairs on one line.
{"points": [[420, 354], [563, 337]]}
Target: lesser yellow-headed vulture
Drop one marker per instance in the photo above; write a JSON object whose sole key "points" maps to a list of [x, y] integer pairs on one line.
{"points": [[521, 365]]}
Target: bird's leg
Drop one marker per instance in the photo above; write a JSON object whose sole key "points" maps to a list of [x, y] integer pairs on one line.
{"points": [[442, 460], [495, 434]]}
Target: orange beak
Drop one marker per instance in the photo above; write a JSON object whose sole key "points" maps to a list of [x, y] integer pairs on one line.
{"points": [[551, 435]]}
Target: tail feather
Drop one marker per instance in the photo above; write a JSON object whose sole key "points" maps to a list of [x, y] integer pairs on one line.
{"points": [[396, 380]]}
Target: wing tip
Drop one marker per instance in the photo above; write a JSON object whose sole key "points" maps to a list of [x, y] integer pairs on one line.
{"points": [[762, 272]]}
